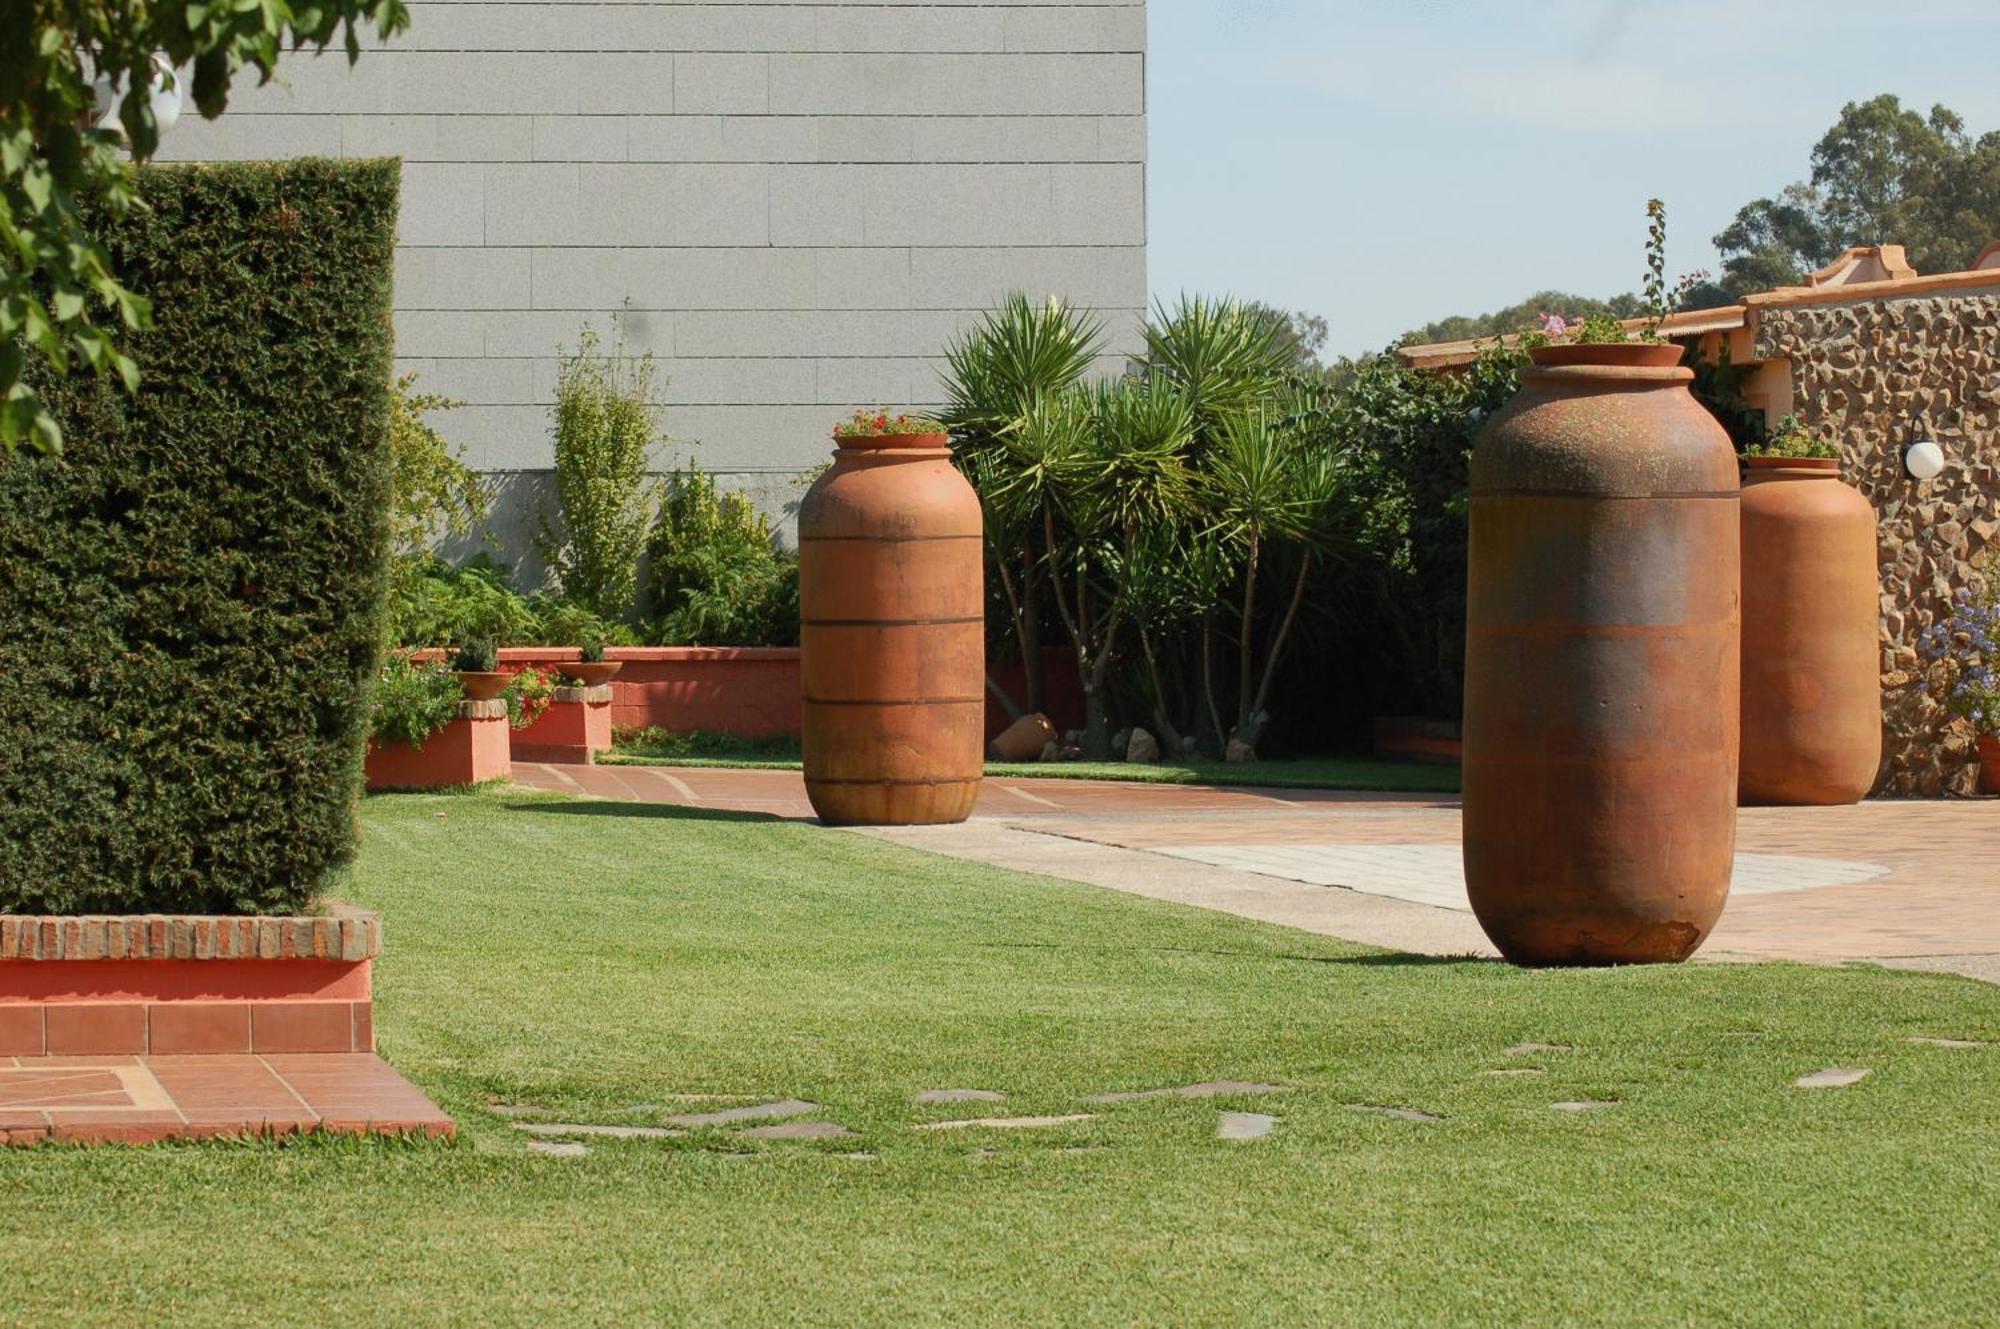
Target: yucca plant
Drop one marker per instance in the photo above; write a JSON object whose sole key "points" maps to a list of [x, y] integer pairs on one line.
{"points": [[1018, 355], [1226, 357], [1267, 487]]}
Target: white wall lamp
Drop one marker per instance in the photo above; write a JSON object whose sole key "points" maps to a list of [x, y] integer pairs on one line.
{"points": [[165, 97], [1924, 459]]}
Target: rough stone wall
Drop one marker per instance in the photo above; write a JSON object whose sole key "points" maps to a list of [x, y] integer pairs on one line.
{"points": [[1877, 375]]}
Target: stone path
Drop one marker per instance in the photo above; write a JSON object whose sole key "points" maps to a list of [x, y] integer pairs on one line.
{"points": [[1903, 883]]}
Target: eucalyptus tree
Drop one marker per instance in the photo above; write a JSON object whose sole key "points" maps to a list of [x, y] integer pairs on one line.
{"points": [[1019, 355]]}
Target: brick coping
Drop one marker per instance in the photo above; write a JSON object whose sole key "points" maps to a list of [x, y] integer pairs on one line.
{"points": [[345, 933]]}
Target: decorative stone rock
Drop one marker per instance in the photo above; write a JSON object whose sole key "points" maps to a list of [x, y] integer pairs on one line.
{"points": [[1399, 1113], [799, 1130], [1006, 1123], [591, 1128], [788, 1107], [960, 1096], [1833, 1077], [1237, 752], [1051, 751], [558, 1148], [1206, 1089], [1142, 747], [1245, 1126]]}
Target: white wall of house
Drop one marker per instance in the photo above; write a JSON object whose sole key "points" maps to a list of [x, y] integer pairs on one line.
{"points": [[799, 204]]}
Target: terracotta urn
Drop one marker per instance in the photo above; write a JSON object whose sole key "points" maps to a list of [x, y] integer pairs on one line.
{"points": [[481, 684], [1602, 625], [1989, 763], [1812, 691], [1023, 740], [892, 635], [591, 673]]}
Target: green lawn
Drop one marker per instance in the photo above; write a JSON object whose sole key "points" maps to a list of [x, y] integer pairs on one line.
{"points": [[594, 957], [1366, 773]]}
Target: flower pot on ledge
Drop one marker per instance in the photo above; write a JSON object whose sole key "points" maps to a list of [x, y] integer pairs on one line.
{"points": [[471, 749], [575, 727]]}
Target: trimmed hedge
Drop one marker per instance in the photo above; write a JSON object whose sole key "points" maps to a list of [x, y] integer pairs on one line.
{"points": [[191, 597]]}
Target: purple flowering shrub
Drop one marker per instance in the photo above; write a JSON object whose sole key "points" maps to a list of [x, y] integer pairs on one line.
{"points": [[1968, 645]]}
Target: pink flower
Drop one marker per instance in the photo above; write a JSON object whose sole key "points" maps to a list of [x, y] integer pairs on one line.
{"points": [[1554, 325]]}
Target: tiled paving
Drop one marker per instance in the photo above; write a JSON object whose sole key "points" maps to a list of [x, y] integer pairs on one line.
{"points": [[1911, 883], [142, 1099]]}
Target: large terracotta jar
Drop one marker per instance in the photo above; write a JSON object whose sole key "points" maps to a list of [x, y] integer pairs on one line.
{"points": [[1812, 692], [1600, 735], [892, 635]]}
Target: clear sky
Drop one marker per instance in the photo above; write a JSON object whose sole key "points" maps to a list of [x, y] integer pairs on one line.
{"points": [[1388, 162]]}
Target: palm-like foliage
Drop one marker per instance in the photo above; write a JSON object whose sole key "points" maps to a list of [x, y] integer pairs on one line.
{"points": [[1227, 358]]}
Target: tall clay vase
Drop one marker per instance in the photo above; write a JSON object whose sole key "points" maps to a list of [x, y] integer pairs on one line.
{"points": [[1812, 690], [1600, 736], [892, 635]]}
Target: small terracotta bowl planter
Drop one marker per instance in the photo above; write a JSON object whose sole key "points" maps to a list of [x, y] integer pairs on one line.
{"points": [[590, 673], [482, 685]]}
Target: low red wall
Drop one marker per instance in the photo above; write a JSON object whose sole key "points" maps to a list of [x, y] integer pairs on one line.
{"points": [[753, 691]]}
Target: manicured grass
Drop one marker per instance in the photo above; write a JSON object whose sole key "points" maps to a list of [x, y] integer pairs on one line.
{"points": [[1367, 773], [597, 957]]}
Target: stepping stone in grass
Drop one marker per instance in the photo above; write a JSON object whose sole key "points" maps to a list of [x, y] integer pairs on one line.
{"points": [[558, 1148], [784, 1107], [1584, 1104], [1517, 1070], [1949, 1042], [1245, 1126], [518, 1110], [1206, 1089], [1399, 1113], [1006, 1123], [799, 1130], [1833, 1077], [862, 1157], [582, 1128], [1523, 1049], [961, 1096]]}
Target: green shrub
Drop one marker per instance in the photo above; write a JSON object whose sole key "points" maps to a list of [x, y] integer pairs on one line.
{"points": [[606, 422], [716, 577], [434, 492], [476, 655], [433, 603], [414, 699], [193, 609]]}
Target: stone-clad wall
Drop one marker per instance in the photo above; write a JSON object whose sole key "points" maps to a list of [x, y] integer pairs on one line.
{"points": [[1876, 375]]}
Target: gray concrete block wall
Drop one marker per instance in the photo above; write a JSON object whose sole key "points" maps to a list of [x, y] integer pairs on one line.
{"points": [[793, 206]]}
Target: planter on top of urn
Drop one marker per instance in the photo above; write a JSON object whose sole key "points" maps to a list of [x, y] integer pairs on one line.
{"points": [[1966, 648], [477, 664], [892, 628], [1812, 692], [1602, 630]]}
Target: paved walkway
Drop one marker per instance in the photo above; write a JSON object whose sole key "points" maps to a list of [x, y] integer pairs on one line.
{"points": [[1913, 884], [142, 1099]]}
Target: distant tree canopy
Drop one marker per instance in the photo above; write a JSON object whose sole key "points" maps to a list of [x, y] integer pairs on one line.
{"points": [[1301, 335], [1884, 174]]}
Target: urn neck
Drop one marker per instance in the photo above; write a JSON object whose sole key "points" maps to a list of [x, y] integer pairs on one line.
{"points": [[1765, 470]]}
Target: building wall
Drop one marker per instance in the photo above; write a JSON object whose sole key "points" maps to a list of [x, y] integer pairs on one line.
{"points": [[1877, 375], [793, 206]]}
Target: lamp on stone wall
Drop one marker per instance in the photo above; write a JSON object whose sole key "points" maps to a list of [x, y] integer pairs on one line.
{"points": [[164, 96], [1923, 459]]}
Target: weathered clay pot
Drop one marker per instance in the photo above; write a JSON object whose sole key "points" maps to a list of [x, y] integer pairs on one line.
{"points": [[1989, 763], [1812, 691], [590, 673], [482, 684], [1600, 735], [892, 635], [1023, 740]]}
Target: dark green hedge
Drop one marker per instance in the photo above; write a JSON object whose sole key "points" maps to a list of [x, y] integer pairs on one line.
{"points": [[191, 596]]}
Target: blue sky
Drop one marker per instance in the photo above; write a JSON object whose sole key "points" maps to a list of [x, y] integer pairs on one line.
{"points": [[1383, 164]]}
